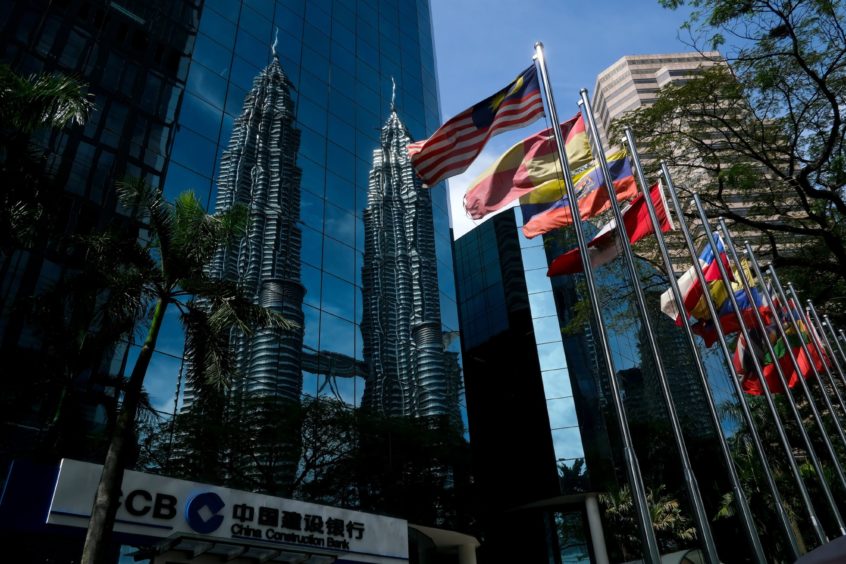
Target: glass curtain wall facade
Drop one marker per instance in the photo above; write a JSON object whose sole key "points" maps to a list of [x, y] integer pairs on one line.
{"points": [[530, 352], [289, 108], [340, 57], [133, 57]]}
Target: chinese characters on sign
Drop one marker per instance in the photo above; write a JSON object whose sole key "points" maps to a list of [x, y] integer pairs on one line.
{"points": [[294, 527]]}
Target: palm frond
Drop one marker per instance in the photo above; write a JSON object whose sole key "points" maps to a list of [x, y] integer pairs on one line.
{"points": [[41, 100]]}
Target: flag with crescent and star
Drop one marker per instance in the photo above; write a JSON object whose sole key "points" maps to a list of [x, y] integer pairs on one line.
{"points": [[457, 143]]}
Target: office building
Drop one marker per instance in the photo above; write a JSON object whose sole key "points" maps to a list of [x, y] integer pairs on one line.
{"points": [[635, 80], [529, 352], [283, 100], [134, 57]]}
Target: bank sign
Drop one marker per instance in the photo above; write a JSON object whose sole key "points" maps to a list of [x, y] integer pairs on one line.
{"points": [[157, 506]]}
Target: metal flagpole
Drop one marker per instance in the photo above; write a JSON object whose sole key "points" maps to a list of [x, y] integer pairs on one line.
{"points": [[698, 506], [784, 518], [812, 312], [744, 331], [804, 385], [762, 328], [739, 495], [797, 307], [650, 543], [818, 345], [836, 340]]}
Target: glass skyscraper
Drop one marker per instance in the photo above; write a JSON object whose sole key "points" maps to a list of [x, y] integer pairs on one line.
{"points": [[278, 105]]}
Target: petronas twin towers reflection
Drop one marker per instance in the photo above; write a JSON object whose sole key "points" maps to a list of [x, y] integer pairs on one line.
{"points": [[406, 369]]}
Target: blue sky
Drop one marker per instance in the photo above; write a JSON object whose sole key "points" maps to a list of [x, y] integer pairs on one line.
{"points": [[481, 45]]}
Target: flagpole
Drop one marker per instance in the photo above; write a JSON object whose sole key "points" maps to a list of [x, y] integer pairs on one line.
{"points": [[828, 324], [812, 312], [812, 454], [698, 506], [784, 518], [744, 331], [807, 351], [651, 552], [821, 344], [740, 497], [804, 385]]}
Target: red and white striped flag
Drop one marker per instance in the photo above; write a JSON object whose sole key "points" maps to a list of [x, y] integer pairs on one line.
{"points": [[457, 143]]}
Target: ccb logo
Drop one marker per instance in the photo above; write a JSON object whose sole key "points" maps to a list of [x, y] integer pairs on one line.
{"points": [[201, 512]]}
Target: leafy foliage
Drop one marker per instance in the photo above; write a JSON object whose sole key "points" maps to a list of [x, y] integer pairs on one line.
{"points": [[762, 138], [672, 528]]}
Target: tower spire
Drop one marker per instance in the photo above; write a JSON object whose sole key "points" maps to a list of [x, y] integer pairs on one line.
{"points": [[393, 95], [275, 42]]}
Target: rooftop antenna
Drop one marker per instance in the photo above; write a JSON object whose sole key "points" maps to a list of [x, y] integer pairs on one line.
{"points": [[393, 95], [275, 42]]}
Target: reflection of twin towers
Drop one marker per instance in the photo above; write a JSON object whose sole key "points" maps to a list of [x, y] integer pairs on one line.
{"points": [[406, 370]]}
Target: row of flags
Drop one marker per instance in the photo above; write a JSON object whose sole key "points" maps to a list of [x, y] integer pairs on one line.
{"points": [[774, 345], [530, 171]]}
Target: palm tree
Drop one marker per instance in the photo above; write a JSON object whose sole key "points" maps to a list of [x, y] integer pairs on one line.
{"points": [[165, 269], [28, 104]]}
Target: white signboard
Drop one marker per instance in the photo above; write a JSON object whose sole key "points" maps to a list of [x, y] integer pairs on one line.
{"points": [[157, 506]]}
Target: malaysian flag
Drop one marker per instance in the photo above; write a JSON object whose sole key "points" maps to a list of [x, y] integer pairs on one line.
{"points": [[460, 140]]}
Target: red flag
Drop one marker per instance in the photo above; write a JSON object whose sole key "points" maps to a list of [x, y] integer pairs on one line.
{"points": [[605, 245]]}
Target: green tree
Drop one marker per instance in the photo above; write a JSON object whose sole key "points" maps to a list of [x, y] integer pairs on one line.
{"points": [[765, 131], [167, 268], [27, 105], [672, 527]]}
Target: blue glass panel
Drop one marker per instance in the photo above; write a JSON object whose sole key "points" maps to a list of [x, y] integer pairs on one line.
{"points": [[542, 304], [551, 356], [207, 84], [289, 22], [200, 116], [339, 259], [257, 25], [243, 73], [367, 14], [180, 179], [318, 18], [312, 177], [337, 335], [289, 47], [224, 7], [312, 210], [547, 329], [312, 251], [315, 63], [252, 49], [217, 26], [160, 381], [537, 281], [339, 223], [311, 279], [556, 384], [340, 192], [338, 297], [264, 7], [194, 151], [313, 145], [316, 40], [449, 313], [314, 88], [562, 413], [342, 16], [367, 53], [311, 325], [235, 100], [211, 54], [344, 34], [339, 160], [311, 115], [296, 6], [341, 58], [567, 443]]}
